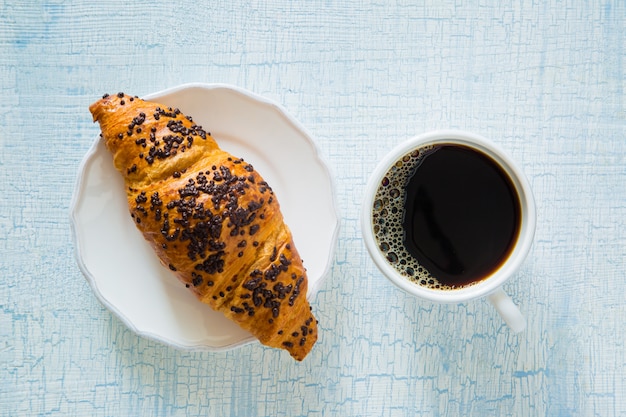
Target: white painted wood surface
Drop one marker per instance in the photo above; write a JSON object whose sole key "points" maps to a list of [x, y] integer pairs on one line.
{"points": [[544, 79]]}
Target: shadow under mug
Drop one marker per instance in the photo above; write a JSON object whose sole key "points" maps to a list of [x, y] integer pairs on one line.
{"points": [[489, 286]]}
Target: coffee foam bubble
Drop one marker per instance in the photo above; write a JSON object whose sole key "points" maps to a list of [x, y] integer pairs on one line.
{"points": [[388, 216]]}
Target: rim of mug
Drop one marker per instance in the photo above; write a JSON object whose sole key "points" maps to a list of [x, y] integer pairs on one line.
{"points": [[524, 241]]}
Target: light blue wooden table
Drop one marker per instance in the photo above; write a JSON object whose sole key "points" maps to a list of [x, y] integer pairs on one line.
{"points": [[545, 80]]}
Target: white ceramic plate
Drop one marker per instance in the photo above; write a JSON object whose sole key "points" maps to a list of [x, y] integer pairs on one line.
{"points": [[122, 269]]}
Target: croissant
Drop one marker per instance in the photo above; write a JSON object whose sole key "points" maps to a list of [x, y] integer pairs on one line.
{"points": [[211, 219]]}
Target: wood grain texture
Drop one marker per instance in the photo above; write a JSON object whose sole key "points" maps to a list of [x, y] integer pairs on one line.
{"points": [[543, 79]]}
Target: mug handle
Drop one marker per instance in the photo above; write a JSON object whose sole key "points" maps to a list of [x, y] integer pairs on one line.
{"points": [[507, 309]]}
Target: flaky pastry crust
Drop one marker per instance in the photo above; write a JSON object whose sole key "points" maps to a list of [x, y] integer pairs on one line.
{"points": [[211, 219]]}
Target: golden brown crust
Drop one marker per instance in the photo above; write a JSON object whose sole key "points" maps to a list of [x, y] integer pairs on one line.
{"points": [[211, 219]]}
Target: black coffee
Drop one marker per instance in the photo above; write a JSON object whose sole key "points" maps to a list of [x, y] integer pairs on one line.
{"points": [[446, 216]]}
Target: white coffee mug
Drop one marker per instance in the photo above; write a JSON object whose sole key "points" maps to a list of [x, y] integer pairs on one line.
{"points": [[491, 285]]}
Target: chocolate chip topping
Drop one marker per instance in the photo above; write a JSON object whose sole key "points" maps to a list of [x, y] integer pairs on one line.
{"points": [[208, 213]]}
